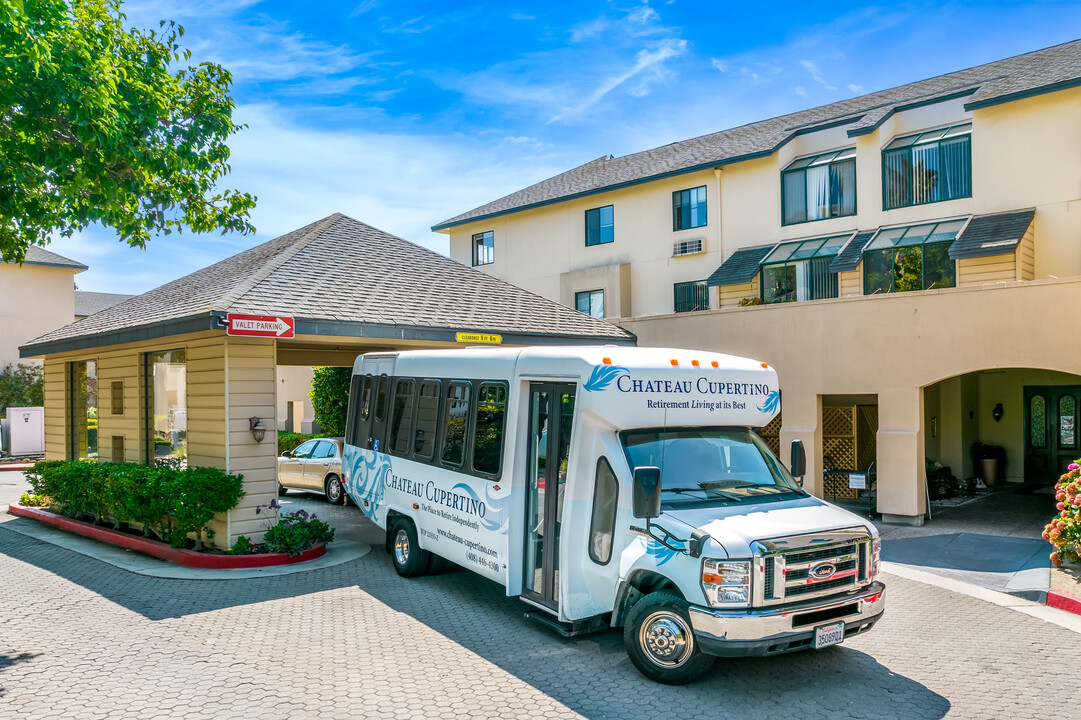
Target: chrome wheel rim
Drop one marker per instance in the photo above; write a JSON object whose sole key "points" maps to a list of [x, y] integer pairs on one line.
{"points": [[401, 547], [666, 639], [334, 489]]}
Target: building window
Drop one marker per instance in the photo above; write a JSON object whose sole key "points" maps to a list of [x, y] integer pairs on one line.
{"points": [[167, 405], [484, 248], [916, 257], [590, 302], [927, 167], [691, 296], [800, 270], [819, 187], [689, 208], [600, 226], [83, 420]]}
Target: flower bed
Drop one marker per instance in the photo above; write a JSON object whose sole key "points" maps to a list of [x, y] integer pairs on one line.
{"points": [[164, 551]]}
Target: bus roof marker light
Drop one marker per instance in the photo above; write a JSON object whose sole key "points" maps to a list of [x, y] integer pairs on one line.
{"points": [[765, 365], [715, 364], [694, 362], [675, 362], [606, 361]]}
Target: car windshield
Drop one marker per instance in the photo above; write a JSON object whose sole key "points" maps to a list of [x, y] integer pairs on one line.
{"points": [[710, 464]]}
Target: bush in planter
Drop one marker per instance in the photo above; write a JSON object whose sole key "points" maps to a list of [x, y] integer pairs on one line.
{"points": [[291, 533], [172, 502], [1064, 532]]}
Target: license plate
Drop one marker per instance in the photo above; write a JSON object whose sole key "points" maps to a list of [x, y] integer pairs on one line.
{"points": [[826, 635]]}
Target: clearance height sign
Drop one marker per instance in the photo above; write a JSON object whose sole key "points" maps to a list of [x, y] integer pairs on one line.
{"points": [[273, 326]]}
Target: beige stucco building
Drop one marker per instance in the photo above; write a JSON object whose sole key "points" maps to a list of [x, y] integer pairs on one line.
{"points": [[908, 260], [35, 297]]}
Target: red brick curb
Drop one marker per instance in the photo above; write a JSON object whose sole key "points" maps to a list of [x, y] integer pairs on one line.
{"points": [[188, 558], [14, 467], [1064, 601]]}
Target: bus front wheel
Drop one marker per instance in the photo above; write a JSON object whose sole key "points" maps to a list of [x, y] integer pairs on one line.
{"points": [[409, 560], [660, 642]]}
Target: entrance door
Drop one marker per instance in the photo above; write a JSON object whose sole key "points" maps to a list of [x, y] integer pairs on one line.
{"points": [[551, 413], [1051, 441]]}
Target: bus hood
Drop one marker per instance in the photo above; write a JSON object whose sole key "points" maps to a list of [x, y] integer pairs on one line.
{"points": [[736, 526]]}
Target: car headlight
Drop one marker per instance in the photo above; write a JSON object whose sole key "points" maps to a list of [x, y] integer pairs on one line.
{"points": [[876, 551], [727, 582]]}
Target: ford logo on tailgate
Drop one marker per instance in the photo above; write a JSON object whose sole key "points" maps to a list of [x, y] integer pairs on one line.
{"points": [[822, 571]]}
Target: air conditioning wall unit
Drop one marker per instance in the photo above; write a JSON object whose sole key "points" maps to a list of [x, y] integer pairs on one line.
{"points": [[694, 246]]}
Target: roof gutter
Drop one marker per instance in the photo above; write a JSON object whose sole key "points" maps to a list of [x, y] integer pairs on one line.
{"points": [[345, 328], [152, 331], [1021, 95]]}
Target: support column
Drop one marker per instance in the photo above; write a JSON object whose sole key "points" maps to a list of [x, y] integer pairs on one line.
{"points": [[902, 496], [801, 420]]}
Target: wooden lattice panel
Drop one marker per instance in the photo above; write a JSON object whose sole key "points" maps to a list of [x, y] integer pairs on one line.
{"points": [[839, 445], [771, 435]]}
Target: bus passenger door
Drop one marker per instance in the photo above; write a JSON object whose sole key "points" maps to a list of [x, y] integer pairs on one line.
{"points": [[551, 412]]}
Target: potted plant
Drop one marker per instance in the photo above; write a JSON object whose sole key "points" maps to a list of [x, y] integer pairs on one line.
{"points": [[989, 462]]}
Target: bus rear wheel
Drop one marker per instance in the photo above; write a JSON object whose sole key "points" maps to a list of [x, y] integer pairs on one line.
{"points": [[660, 641], [409, 560]]}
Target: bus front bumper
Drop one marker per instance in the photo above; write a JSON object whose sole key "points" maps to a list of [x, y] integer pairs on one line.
{"points": [[770, 631]]}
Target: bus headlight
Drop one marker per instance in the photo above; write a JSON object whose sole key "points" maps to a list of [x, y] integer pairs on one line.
{"points": [[727, 582]]}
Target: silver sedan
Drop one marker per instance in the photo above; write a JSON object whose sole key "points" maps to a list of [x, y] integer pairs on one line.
{"points": [[314, 465]]}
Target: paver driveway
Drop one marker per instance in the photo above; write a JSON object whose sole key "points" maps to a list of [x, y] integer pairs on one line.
{"points": [[82, 639]]}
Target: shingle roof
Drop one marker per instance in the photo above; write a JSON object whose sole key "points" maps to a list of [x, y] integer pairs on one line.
{"points": [[88, 303], [992, 234], [39, 256], [336, 271], [740, 266], [850, 255], [1046, 70]]}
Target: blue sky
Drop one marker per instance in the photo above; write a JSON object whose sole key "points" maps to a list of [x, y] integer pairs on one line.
{"points": [[403, 114]]}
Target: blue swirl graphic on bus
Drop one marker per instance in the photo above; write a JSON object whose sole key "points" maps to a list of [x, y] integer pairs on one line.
{"points": [[603, 376], [366, 475], [661, 552], [495, 517], [773, 401]]}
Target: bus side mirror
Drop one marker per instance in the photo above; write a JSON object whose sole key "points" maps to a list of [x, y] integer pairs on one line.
{"points": [[646, 493], [799, 460]]}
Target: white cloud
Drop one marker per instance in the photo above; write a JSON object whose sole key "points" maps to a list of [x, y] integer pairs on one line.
{"points": [[363, 7], [412, 26], [647, 60], [799, 91], [816, 74], [522, 16], [858, 89]]}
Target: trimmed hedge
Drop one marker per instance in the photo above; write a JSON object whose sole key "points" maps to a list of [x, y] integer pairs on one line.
{"points": [[290, 441], [168, 501]]}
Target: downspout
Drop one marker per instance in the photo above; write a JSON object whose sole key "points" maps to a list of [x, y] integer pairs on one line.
{"points": [[720, 236]]}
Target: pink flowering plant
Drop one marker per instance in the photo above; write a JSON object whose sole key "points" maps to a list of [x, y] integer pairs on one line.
{"points": [[1064, 532]]}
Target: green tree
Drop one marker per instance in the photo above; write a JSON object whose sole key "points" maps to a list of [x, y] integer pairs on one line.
{"points": [[330, 398], [101, 123], [21, 385]]}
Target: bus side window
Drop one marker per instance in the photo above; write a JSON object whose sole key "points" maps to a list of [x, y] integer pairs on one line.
{"points": [[488, 428], [351, 416], [362, 403], [401, 417], [455, 418], [427, 420], [381, 398], [603, 523], [366, 398]]}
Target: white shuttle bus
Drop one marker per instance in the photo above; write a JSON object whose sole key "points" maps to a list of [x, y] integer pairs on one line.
{"points": [[611, 486]]}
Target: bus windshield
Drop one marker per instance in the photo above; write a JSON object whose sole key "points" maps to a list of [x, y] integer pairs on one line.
{"points": [[710, 464]]}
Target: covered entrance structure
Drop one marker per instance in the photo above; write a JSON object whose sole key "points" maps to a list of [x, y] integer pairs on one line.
{"points": [[158, 376]]}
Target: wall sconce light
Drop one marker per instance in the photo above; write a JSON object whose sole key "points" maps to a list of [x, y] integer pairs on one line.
{"points": [[257, 430], [997, 412]]}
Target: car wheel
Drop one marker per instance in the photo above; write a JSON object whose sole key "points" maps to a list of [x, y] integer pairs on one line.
{"points": [[409, 559], [660, 642], [281, 490], [334, 490]]}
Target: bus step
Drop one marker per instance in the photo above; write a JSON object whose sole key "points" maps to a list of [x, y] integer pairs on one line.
{"points": [[571, 629]]}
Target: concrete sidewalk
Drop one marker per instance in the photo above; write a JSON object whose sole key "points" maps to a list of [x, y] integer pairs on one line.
{"points": [[993, 542]]}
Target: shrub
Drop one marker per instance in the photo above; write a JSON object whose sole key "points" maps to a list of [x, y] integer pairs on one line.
{"points": [[27, 500], [294, 532], [171, 502], [1064, 532], [21, 385], [289, 441], [330, 398]]}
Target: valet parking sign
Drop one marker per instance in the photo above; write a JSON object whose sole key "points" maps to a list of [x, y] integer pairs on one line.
{"points": [[273, 326]]}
